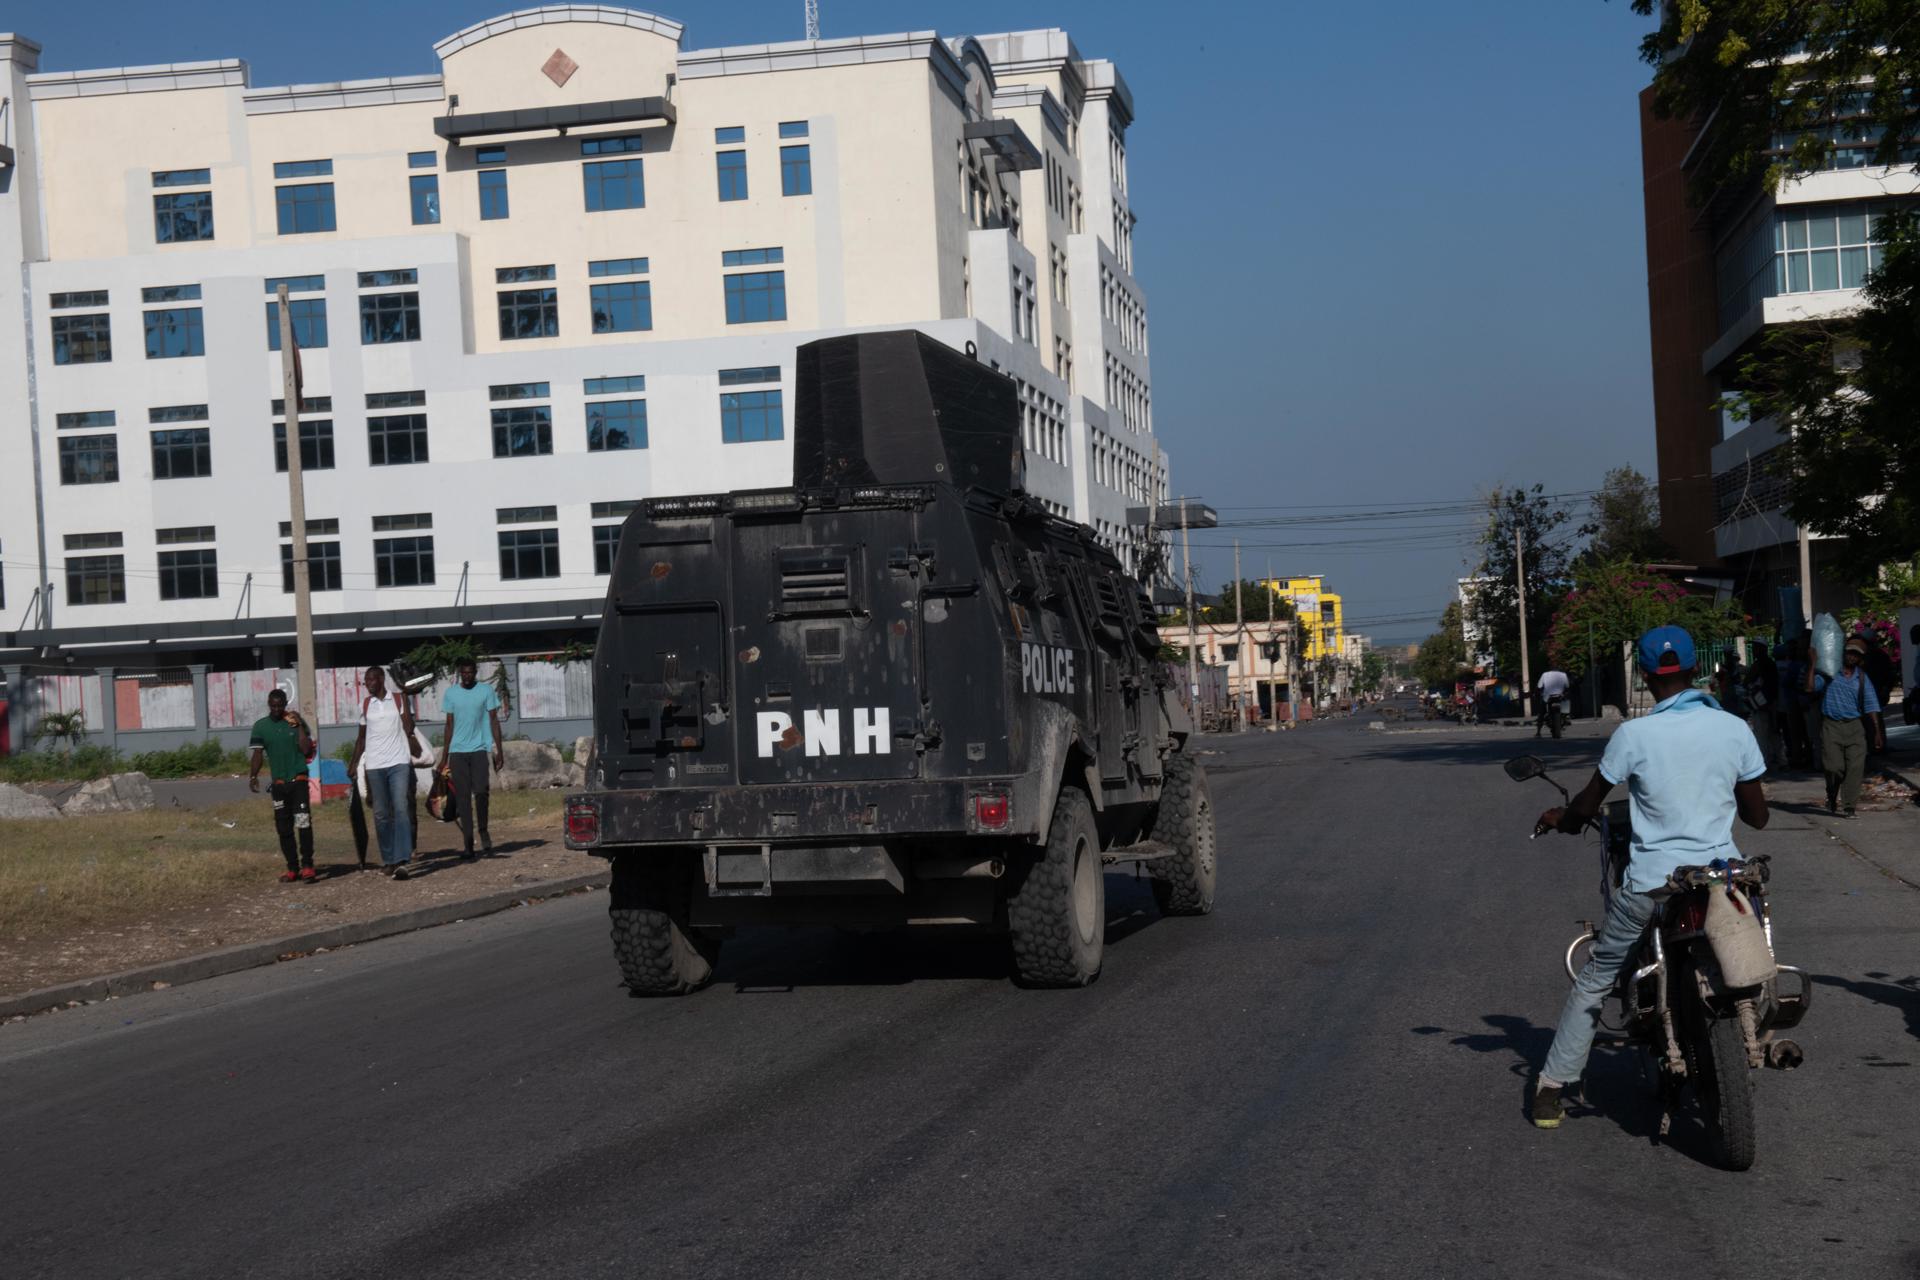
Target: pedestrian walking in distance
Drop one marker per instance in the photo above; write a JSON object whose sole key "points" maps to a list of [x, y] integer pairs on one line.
{"points": [[1849, 727], [282, 742], [473, 726], [386, 743]]}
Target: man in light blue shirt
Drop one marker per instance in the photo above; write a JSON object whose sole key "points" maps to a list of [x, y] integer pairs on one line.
{"points": [[1849, 726], [1688, 767], [473, 712]]}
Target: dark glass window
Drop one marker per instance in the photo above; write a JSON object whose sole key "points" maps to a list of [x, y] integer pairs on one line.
{"points": [[772, 257], [174, 332], [615, 184], [388, 279], [398, 440], [594, 386], [529, 313], [96, 580], [493, 194], [750, 415], [616, 267], [529, 553], [626, 307], [520, 391], [424, 189], [171, 293], [616, 424], [81, 421], [303, 169], [183, 454], [756, 296], [523, 432], [606, 541], [304, 208], [182, 215], [389, 317], [323, 566], [731, 167], [316, 445], [611, 146], [489, 155], [89, 459], [751, 376], [85, 339], [523, 275], [189, 575], [309, 316], [183, 178], [403, 562], [84, 298], [296, 284], [796, 171]]}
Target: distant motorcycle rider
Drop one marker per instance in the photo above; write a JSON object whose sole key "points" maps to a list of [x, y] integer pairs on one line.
{"points": [[1688, 767], [1553, 684]]}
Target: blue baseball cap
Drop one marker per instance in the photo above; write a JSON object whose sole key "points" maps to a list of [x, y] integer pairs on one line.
{"points": [[1666, 649]]}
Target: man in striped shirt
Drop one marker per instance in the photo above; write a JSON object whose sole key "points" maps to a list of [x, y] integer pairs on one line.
{"points": [[1849, 725]]}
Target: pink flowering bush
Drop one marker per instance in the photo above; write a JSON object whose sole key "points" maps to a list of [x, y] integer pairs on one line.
{"points": [[1615, 602]]}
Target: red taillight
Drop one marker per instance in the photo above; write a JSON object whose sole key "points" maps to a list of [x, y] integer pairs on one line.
{"points": [[1689, 915], [992, 811], [583, 822]]}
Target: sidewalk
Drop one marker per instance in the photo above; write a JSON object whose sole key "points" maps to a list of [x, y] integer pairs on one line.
{"points": [[1886, 833]]}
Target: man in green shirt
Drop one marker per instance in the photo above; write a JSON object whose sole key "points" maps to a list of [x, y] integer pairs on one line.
{"points": [[282, 740]]}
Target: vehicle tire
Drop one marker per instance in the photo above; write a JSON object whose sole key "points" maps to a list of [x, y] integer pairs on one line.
{"points": [[1183, 884], [1057, 910], [1723, 1083], [1556, 723], [648, 902]]}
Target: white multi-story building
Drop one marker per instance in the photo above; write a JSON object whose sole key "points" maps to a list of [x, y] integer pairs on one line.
{"points": [[565, 272]]}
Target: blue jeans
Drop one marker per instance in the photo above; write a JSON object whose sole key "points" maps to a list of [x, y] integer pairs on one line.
{"points": [[388, 790], [1580, 1017]]}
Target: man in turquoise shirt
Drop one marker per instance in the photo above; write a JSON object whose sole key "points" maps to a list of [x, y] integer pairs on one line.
{"points": [[1688, 767], [473, 712]]}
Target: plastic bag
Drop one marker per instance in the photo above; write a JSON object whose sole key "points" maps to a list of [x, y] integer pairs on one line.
{"points": [[1827, 644]]}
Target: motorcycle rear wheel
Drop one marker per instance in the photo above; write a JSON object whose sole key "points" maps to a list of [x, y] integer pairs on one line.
{"points": [[1724, 1085]]}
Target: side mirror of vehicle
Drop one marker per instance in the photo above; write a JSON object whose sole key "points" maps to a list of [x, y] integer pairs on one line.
{"points": [[1523, 768]]}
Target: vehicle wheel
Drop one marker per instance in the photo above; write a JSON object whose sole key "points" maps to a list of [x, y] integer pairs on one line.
{"points": [[1723, 1082], [648, 902], [1556, 723], [1057, 911], [1183, 884]]}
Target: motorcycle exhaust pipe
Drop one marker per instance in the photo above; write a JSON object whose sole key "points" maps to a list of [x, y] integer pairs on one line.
{"points": [[1784, 1055]]}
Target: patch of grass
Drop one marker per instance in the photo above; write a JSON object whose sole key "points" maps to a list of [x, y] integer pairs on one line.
{"points": [[90, 762], [187, 762]]}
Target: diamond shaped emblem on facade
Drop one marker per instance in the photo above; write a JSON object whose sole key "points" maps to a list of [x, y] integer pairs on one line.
{"points": [[560, 68]]}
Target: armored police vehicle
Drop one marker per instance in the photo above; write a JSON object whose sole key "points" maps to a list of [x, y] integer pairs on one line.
{"points": [[898, 692]]}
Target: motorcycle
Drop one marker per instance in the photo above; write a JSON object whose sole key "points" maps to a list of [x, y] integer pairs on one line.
{"points": [[1555, 715], [1701, 993]]}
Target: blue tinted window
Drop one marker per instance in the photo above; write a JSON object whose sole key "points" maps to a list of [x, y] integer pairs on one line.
{"points": [[309, 317], [493, 194], [732, 166], [82, 339], [730, 133], [793, 128], [626, 307], [297, 284], [614, 184], [490, 155], [614, 424], [303, 169], [618, 267], [182, 215], [520, 391], [171, 293], [183, 178], [522, 275], [610, 146], [796, 171], [422, 159], [175, 332], [753, 257], [304, 208], [750, 415], [756, 296], [594, 386], [749, 377], [424, 190], [529, 313]]}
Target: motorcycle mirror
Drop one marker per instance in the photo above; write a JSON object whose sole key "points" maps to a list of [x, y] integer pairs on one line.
{"points": [[1522, 768]]}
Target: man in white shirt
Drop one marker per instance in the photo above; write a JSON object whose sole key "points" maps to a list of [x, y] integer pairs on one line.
{"points": [[386, 741], [1553, 684]]}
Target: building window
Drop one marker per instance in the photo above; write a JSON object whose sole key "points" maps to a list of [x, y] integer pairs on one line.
{"points": [[389, 317], [89, 459], [309, 316], [84, 421], [424, 191], [614, 424], [626, 307], [391, 278], [82, 339], [606, 541], [617, 267], [323, 563], [174, 332], [422, 159], [731, 167], [614, 184], [182, 453], [304, 207], [189, 575], [180, 216], [97, 579], [598, 386], [185, 535], [796, 171], [750, 415], [316, 445], [403, 562], [793, 128], [397, 440], [524, 431], [493, 194], [1826, 247], [90, 298], [756, 296], [529, 313], [529, 553]]}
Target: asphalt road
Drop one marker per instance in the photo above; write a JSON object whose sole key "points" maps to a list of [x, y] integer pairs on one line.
{"points": [[1325, 1077]]}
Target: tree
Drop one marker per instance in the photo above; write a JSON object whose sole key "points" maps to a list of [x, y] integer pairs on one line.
{"points": [[66, 728], [1442, 659], [1625, 520], [1373, 669], [1258, 602], [1495, 602], [1816, 76], [1617, 601]]}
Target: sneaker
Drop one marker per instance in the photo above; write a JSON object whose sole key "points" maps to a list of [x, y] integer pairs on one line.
{"points": [[402, 871], [1848, 813], [288, 877], [308, 873], [467, 854], [486, 842], [1547, 1108]]}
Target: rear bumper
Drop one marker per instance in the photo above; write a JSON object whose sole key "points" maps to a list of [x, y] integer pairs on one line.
{"points": [[859, 812]]}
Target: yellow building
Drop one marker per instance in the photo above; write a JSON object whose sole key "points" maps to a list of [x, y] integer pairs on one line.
{"points": [[1321, 625]]}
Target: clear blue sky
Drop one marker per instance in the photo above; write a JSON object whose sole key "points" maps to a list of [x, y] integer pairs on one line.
{"points": [[1393, 252]]}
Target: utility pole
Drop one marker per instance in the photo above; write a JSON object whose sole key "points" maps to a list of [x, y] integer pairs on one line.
{"points": [[1520, 572], [297, 509], [1239, 642], [1273, 667], [1193, 658]]}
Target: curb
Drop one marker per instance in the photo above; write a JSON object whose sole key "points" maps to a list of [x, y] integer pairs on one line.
{"points": [[251, 955]]}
